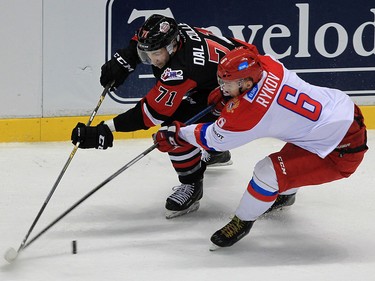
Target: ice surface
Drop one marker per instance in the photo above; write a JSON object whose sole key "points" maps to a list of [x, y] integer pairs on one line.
{"points": [[122, 233]]}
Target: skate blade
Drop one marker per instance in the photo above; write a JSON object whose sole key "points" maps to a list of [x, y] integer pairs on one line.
{"points": [[172, 214], [230, 162], [280, 208], [274, 210], [213, 247]]}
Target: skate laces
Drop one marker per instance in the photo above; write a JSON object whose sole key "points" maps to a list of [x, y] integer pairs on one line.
{"points": [[182, 193], [233, 227]]}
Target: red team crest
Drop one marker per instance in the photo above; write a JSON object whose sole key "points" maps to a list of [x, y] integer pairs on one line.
{"points": [[232, 105]]}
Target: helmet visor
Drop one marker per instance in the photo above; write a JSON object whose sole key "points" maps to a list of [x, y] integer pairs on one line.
{"points": [[229, 85], [145, 59], [148, 57]]}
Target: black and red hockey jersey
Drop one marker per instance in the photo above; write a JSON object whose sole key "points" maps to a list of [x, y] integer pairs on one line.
{"points": [[192, 67]]}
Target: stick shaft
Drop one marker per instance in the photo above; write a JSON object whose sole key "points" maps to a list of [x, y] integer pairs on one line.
{"points": [[125, 167], [93, 114]]}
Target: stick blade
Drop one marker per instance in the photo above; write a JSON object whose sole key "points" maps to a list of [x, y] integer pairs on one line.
{"points": [[10, 255]]}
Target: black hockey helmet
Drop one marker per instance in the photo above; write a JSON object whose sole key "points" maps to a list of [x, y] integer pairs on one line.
{"points": [[157, 32]]}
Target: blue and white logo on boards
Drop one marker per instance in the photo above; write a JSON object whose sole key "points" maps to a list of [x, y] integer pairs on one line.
{"points": [[324, 48]]}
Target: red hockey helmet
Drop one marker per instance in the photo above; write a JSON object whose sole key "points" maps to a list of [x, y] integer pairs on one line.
{"points": [[240, 63]]}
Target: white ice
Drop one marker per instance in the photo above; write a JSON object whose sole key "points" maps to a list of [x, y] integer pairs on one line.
{"points": [[122, 234]]}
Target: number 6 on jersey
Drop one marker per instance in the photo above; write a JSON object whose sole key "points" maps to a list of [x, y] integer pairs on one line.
{"points": [[301, 104]]}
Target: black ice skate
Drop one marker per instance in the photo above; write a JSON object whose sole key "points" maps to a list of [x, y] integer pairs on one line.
{"points": [[214, 158], [184, 200], [235, 230], [281, 202]]}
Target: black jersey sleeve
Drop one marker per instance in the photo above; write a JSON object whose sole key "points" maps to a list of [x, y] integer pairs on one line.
{"points": [[131, 120]]}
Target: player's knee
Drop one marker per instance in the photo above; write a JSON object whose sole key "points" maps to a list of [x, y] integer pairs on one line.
{"points": [[265, 175]]}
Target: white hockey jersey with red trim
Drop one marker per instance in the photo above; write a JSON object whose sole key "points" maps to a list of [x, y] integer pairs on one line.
{"points": [[281, 106]]}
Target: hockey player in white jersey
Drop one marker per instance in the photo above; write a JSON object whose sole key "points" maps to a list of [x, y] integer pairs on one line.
{"points": [[323, 129]]}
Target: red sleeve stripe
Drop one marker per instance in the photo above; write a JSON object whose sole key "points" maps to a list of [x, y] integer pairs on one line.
{"points": [[148, 119], [200, 133]]}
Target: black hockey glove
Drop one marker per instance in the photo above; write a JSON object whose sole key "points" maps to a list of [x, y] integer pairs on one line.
{"points": [[117, 69], [99, 136]]}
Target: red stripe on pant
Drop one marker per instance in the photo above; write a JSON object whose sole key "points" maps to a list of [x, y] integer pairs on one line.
{"points": [[184, 165], [188, 158], [260, 196]]}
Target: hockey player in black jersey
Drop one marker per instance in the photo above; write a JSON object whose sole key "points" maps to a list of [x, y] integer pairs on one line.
{"points": [[184, 61]]}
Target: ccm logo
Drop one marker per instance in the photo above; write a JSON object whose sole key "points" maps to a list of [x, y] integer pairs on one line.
{"points": [[282, 166]]}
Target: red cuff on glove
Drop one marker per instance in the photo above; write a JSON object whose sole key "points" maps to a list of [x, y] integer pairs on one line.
{"points": [[167, 137], [217, 98]]}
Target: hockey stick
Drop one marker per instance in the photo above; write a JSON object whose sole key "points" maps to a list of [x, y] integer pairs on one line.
{"points": [[11, 252], [131, 163]]}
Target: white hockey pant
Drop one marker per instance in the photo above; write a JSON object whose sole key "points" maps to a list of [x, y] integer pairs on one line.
{"points": [[264, 177]]}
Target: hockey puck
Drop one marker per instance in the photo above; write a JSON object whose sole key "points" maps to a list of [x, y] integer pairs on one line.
{"points": [[74, 247]]}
